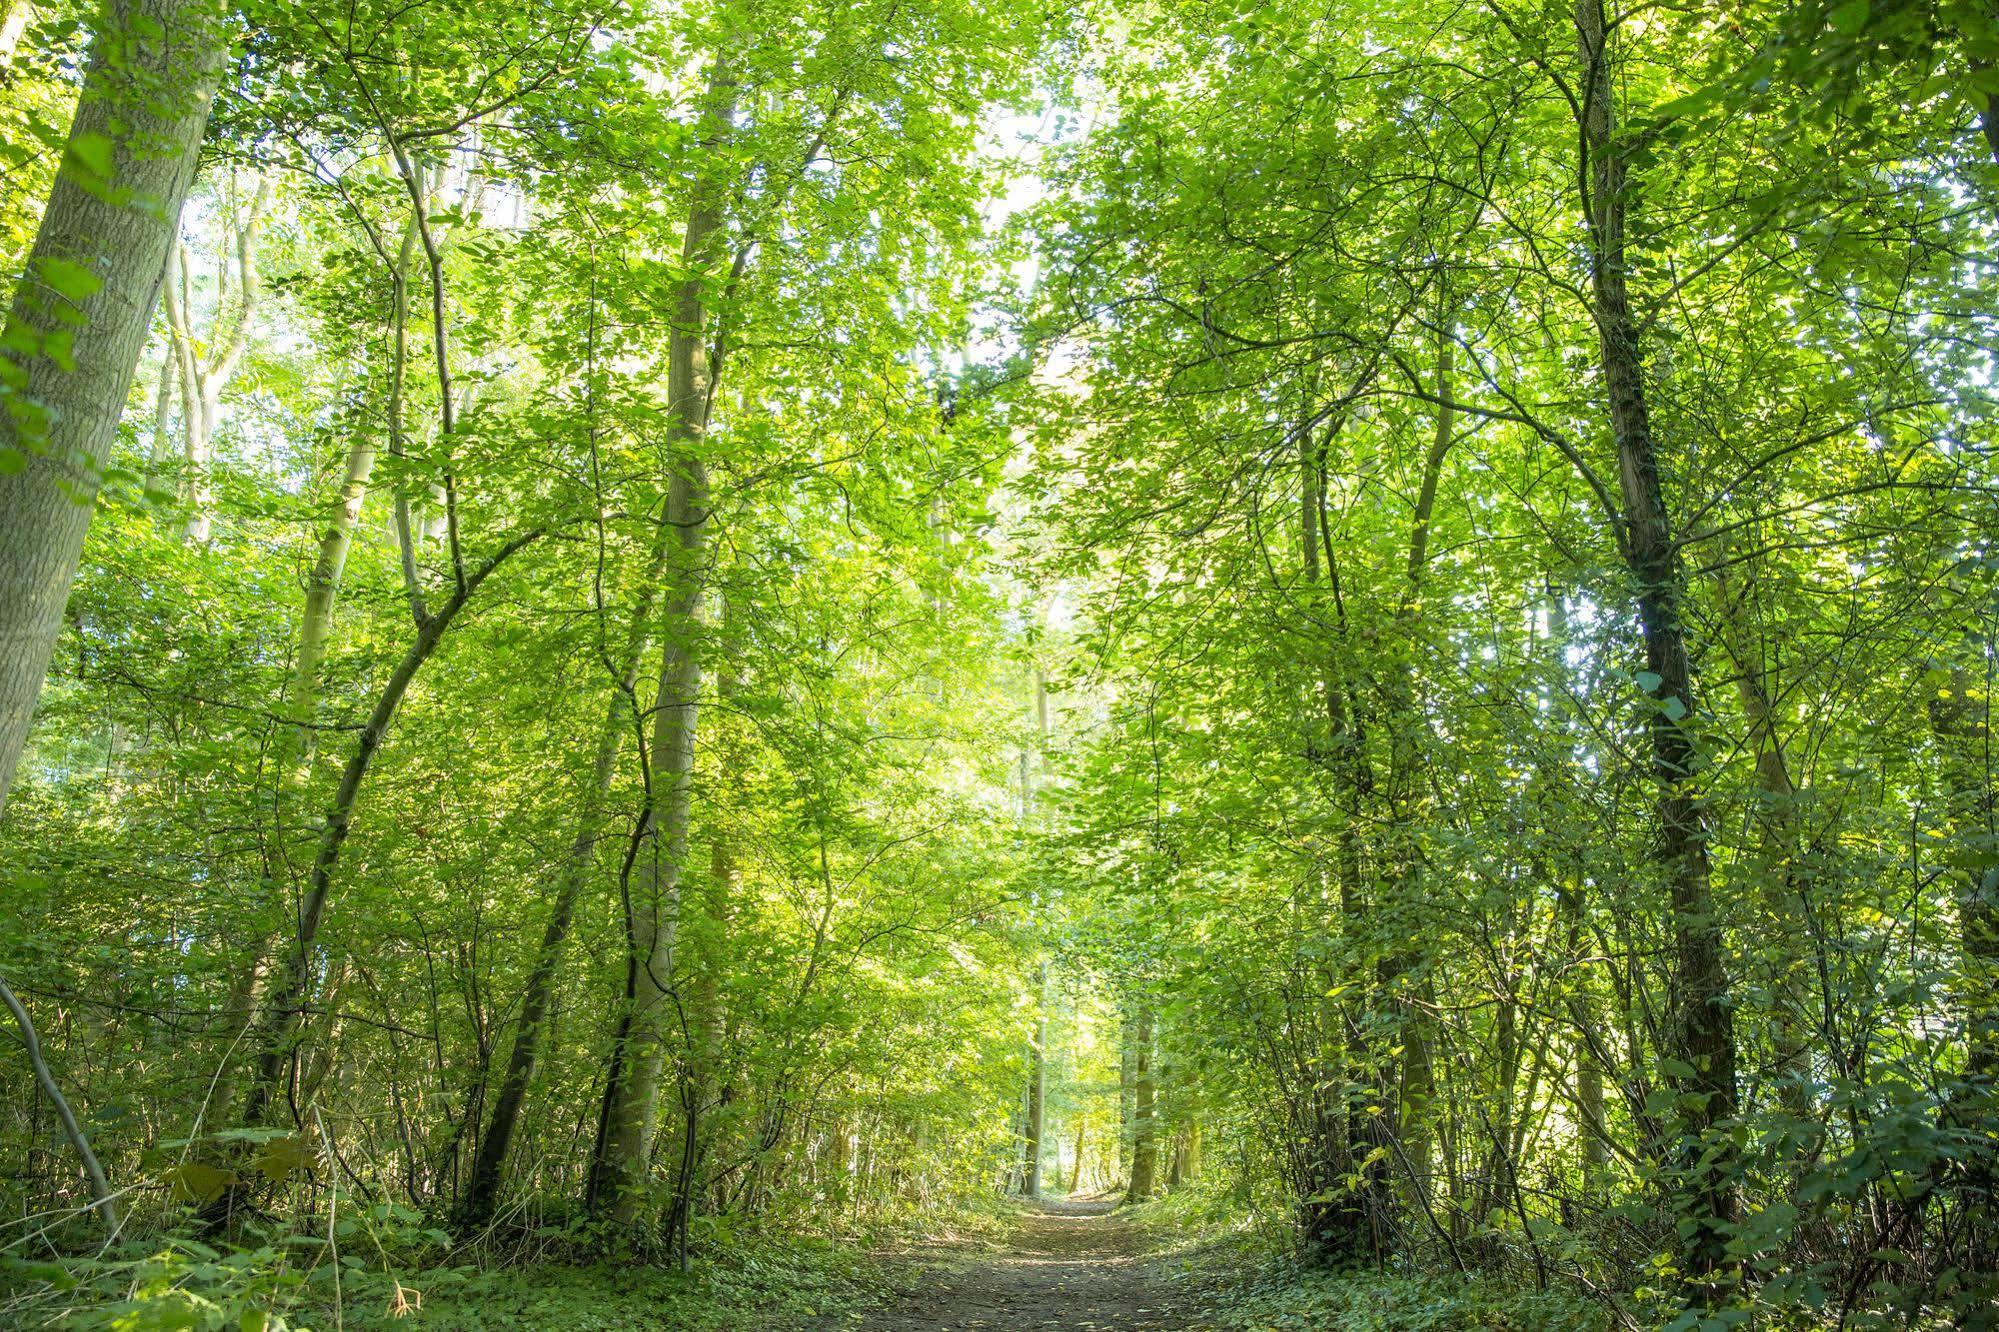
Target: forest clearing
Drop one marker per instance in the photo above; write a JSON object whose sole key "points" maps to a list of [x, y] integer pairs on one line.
{"points": [[976, 664]]}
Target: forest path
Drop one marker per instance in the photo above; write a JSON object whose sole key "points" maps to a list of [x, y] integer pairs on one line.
{"points": [[1075, 1265]]}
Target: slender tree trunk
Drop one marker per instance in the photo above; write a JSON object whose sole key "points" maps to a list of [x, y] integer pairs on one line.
{"points": [[1415, 1001], [100, 1189], [323, 586], [619, 1175], [1037, 1088], [1145, 1095], [1127, 1101], [1335, 1209], [159, 438], [275, 1035], [1700, 1046], [81, 314], [538, 998]]}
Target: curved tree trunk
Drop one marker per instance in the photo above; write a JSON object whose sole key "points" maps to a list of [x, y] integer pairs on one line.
{"points": [[275, 1036], [82, 312]]}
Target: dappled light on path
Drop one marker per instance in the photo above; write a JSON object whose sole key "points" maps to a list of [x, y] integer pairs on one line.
{"points": [[1068, 1264]]}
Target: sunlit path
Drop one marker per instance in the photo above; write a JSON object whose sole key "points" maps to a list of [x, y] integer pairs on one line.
{"points": [[1072, 1265]]}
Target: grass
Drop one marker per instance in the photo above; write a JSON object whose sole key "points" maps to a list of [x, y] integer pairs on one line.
{"points": [[1239, 1268]]}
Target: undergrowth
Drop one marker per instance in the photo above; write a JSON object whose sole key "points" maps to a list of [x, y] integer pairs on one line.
{"points": [[1238, 1267], [384, 1267]]}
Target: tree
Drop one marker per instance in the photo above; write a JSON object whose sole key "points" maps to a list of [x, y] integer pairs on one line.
{"points": [[81, 314]]}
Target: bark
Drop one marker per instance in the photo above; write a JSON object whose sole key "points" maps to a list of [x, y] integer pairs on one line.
{"points": [[159, 437], [1145, 1096], [80, 316], [323, 586], [707, 1119], [1037, 1055], [1127, 1091], [1338, 1197], [1037, 1090], [537, 999], [1408, 761], [1700, 1045], [619, 1174]]}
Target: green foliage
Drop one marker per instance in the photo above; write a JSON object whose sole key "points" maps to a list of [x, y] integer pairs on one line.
{"points": [[1284, 418]]}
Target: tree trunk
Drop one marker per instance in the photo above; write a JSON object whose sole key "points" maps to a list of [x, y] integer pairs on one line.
{"points": [[1145, 1094], [81, 314], [323, 586], [1700, 1046], [489, 1166], [619, 1174], [1037, 1089], [276, 1034], [1127, 1100]]}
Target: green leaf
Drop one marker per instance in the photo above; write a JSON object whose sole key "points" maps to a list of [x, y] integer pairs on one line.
{"points": [[72, 281], [90, 153], [1693, 103], [1848, 19]]}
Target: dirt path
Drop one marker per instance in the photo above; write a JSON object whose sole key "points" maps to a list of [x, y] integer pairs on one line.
{"points": [[1069, 1265]]}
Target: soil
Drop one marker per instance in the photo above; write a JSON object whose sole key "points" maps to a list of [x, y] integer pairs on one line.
{"points": [[1075, 1265]]}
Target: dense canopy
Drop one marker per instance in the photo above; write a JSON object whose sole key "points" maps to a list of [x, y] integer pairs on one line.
{"points": [[697, 634]]}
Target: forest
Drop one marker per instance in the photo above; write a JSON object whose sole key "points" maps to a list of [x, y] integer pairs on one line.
{"points": [[931, 664]]}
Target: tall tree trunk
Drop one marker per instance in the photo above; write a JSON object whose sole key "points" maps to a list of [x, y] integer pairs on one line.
{"points": [[538, 996], [1037, 1056], [1700, 1044], [1415, 1001], [619, 1174], [708, 1093], [1145, 1097], [1127, 1100], [81, 313], [1338, 1199], [322, 586], [1037, 1088]]}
